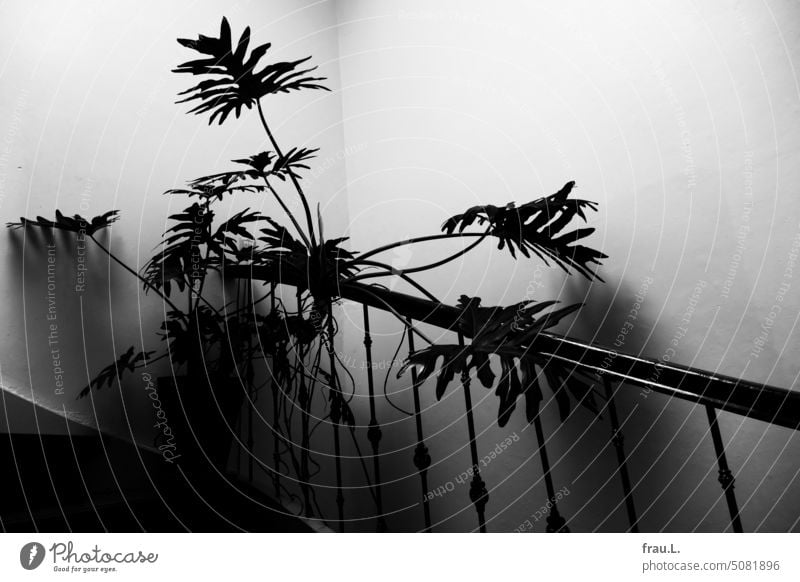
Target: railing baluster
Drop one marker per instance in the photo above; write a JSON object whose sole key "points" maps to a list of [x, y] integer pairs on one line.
{"points": [[374, 430], [276, 450], [304, 399], [618, 440], [725, 475], [239, 428], [555, 523], [250, 437], [275, 386], [422, 459], [477, 489], [251, 393], [239, 432], [336, 401]]}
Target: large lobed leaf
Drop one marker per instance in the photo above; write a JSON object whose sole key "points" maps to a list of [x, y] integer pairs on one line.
{"points": [[191, 246], [180, 259], [216, 186], [126, 362], [539, 227], [281, 166], [236, 80], [509, 334]]}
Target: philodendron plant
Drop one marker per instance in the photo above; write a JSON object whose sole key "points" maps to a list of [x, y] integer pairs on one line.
{"points": [[203, 333]]}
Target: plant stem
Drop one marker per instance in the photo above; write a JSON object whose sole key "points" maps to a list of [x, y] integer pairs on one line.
{"points": [[404, 272], [392, 271], [251, 307], [137, 275], [394, 312], [291, 175], [418, 239], [288, 212], [202, 284], [447, 259], [200, 297], [148, 362]]}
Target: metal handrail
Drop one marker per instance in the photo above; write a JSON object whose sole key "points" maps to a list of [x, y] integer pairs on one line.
{"points": [[771, 404]]}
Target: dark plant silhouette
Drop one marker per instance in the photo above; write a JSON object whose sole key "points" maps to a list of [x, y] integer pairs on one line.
{"points": [[222, 341], [509, 333], [538, 227], [235, 81], [70, 224]]}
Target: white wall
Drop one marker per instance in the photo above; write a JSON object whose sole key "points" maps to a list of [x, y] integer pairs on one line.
{"points": [[89, 124], [680, 119]]}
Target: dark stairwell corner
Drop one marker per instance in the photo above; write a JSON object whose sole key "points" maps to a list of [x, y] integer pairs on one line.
{"points": [[81, 480]]}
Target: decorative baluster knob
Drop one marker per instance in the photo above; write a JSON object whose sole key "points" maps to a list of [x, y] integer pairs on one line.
{"points": [[556, 523], [478, 493], [374, 433], [422, 460], [726, 478]]}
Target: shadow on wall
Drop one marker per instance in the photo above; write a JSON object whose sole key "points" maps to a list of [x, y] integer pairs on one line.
{"points": [[672, 464], [667, 440], [63, 303]]}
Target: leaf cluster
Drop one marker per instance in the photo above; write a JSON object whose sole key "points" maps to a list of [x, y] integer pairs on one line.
{"points": [[509, 334], [238, 80], [539, 227]]}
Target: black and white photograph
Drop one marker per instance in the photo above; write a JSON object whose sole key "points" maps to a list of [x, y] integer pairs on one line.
{"points": [[400, 267]]}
